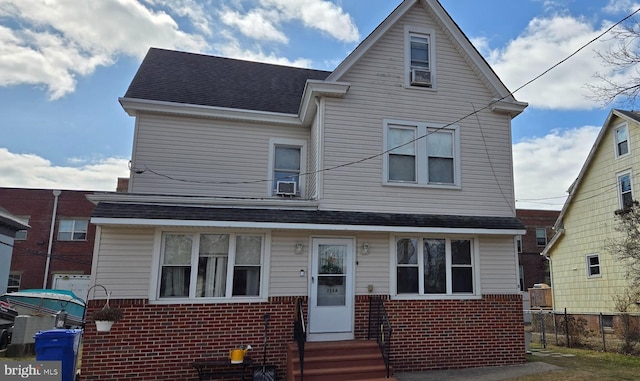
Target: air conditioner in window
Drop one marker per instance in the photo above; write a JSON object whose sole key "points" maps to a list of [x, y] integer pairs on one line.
{"points": [[286, 188], [421, 77]]}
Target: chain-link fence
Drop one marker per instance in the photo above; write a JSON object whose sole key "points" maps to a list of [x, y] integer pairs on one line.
{"points": [[598, 331]]}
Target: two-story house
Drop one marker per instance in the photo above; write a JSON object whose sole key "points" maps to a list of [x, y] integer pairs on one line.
{"points": [[253, 185], [56, 251], [585, 275]]}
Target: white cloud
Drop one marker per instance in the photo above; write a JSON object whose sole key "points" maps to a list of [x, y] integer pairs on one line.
{"points": [[318, 14], [191, 9], [621, 6], [255, 24], [56, 42], [545, 167], [545, 42], [32, 171], [232, 48]]}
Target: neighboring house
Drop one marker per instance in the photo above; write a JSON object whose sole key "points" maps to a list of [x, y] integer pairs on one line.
{"points": [[584, 275], [10, 225], [46, 258], [253, 185], [534, 268]]}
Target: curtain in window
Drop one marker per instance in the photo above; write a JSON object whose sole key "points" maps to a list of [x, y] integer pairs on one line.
{"points": [[176, 265], [246, 274], [212, 265]]}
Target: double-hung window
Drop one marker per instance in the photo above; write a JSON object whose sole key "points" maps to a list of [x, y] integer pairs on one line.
{"points": [[419, 57], [625, 192], [210, 265], [593, 265], [435, 266], [287, 165], [72, 230], [621, 140], [421, 154], [541, 236]]}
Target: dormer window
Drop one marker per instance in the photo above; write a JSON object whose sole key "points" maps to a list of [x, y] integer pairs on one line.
{"points": [[419, 55]]}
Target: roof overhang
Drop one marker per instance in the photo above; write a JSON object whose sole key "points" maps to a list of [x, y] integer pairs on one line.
{"points": [[513, 108], [313, 89], [149, 215], [133, 105]]}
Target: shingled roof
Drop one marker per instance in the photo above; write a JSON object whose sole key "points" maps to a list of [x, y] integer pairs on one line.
{"points": [[322, 217], [197, 79]]}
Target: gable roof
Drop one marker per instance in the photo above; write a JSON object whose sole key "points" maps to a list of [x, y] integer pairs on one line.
{"points": [[211, 86], [627, 115], [505, 102], [198, 79]]}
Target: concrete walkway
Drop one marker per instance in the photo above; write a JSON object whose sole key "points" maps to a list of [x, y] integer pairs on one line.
{"points": [[479, 374]]}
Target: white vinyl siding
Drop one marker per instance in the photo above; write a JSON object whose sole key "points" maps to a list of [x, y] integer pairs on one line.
{"points": [[191, 156], [124, 261], [352, 132], [498, 265]]}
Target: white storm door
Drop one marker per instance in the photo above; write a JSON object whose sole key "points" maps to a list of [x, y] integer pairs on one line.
{"points": [[331, 300]]}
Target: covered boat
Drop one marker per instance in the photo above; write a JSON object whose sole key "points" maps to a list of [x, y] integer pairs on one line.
{"points": [[45, 301]]}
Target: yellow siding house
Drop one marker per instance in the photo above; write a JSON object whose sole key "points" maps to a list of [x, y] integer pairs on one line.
{"points": [[585, 276]]}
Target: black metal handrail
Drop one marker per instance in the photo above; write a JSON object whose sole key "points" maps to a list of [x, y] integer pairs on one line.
{"points": [[300, 333], [380, 328]]}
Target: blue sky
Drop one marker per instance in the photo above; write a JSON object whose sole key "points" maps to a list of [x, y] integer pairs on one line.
{"points": [[63, 67]]}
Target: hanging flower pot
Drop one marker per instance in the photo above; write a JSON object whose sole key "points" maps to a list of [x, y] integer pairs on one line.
{"points": [[106, 316], [104, 325]]}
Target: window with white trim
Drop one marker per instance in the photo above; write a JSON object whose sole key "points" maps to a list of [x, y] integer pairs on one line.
{"points": [[435, 266], [593, 265], [625, 193], [419, 57], [287, 158], [621, 140], [421, 154], [21, 235], [519, 243], [210, 265], [72, 230]]}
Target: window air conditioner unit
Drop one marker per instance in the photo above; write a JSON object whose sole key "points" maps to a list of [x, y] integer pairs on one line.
{"points": [[286, 188], [421, 77]]}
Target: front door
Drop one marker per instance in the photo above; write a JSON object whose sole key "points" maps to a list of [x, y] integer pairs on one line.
{"points": [[331, 296]]}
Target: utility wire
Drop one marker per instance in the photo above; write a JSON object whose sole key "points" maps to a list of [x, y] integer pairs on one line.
{"points": [[434, 130], [53, 256]]}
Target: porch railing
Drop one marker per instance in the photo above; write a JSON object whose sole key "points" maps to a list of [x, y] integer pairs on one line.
{"points": [[300, 333], [380, 328]]}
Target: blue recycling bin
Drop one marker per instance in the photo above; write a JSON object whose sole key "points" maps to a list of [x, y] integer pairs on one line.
{"points": [[59, 345]]}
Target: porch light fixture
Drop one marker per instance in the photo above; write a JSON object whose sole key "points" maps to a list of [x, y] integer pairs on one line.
{"points": [[365, 248], [299, 247]]}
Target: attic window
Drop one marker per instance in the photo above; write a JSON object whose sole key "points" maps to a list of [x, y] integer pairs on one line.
{"points": [[419, 57], [621, 136]]}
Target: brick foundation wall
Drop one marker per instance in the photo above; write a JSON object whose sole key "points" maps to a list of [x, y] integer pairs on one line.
{"points": [[159, 342]]}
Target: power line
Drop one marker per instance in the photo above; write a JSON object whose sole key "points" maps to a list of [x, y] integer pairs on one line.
{"points": [[431, 131], [53, 256]]}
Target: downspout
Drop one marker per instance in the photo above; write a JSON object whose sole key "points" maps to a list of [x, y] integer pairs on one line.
{"points": [[553, 289], [56, 193]]}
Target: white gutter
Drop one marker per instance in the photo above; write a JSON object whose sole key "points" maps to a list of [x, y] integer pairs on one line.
{"points": [[56, 193], [298, 226]]}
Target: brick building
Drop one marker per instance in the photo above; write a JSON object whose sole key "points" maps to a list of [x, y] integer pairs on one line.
{"points": [[539, 224], [69, 246]]}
